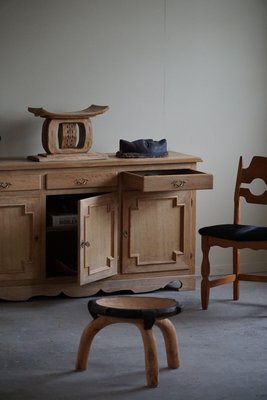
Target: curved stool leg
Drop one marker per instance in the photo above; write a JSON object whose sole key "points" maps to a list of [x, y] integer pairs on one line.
{"points": [[87, 337], [171, 343], [151, 356], [150, 347]]}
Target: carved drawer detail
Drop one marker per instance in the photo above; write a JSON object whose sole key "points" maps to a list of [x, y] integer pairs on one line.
{"points": [[10, 183], [81, 179]]}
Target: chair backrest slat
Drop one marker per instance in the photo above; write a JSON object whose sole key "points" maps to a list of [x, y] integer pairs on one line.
{"points": [[253, 198], [256, 170]]}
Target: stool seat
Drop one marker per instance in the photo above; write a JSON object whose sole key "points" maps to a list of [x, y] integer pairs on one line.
{"points": [[147, 309], [143, 312]]}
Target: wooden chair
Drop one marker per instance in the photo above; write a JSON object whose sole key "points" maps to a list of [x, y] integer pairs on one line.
{"points": [[236, 235]]}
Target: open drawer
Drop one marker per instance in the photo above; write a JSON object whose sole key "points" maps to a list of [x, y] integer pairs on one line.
{"points": [[171, 179]]}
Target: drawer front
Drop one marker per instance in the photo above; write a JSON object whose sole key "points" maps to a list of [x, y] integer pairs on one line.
{"points": [[165, 180], [10, 183], [80, 180]]}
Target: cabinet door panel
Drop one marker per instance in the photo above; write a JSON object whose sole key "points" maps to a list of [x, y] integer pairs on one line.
{"points": [[98, 220], [20, 238], [158, 232]]}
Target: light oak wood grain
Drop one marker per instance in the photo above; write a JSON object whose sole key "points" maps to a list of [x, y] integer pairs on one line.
{"points": [[138, 240]]}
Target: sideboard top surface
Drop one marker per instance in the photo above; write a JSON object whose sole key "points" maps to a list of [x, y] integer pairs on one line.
{"points": [[9, 164]]}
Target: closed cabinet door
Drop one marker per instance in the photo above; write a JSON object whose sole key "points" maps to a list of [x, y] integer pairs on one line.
{"points": [[20, 238], [158, 232], [97, 238]]}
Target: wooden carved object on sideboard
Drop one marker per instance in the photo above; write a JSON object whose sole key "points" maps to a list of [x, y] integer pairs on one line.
{"points": [[67, 135]]}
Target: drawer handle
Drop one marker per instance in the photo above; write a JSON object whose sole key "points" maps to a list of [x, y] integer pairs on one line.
{"points": [[5, 185], [81, 181], [178, 184], [83, 244]]}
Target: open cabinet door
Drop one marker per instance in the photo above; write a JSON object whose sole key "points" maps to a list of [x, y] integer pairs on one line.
{"points": [[98, 238]]}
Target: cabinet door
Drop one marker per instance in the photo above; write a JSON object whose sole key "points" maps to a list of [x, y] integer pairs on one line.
{"points": [[158, 232], [20, 243], [97, 230]]}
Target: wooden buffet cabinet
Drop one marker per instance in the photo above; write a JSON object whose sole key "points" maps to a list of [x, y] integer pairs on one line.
{"points": [[106, 224]]}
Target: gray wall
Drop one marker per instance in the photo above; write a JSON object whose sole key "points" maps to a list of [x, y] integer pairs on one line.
{"points": [[192, 71]]}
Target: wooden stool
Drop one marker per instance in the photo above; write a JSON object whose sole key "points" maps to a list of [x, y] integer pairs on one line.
{"points": [[143, 312], [67, 135]]}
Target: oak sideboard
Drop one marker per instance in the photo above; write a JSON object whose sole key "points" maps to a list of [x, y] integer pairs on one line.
{"points": [[110, 224]]}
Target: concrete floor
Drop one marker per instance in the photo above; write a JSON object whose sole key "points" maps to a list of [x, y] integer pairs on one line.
{"points": [[223, 351]]}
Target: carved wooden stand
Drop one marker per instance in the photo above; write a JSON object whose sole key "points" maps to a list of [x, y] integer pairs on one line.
{"points": [[67, 135]]}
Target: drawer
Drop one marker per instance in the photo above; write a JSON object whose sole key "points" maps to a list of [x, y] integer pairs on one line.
{"points": [[80, 180], [164, 180], [10, 183]]}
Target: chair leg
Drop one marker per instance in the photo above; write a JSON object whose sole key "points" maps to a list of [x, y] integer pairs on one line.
{"points": [[236, 271], [205, 272]]}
